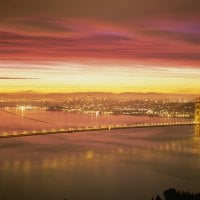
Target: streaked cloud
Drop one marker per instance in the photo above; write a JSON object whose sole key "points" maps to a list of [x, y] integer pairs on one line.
{"points": [[15, 78], [74, 45], [104, 77], [163, 41]]}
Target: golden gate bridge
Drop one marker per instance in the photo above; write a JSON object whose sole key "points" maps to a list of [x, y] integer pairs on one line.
{"points": [[9, 120]]}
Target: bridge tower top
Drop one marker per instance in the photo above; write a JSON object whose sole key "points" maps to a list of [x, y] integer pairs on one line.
{"points": [[197, 111]]}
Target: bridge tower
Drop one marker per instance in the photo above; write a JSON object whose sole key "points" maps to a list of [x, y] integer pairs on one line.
{"points": [[197, 117]]}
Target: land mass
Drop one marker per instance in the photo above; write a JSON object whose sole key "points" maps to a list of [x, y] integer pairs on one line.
{"points": [[126, 95]]}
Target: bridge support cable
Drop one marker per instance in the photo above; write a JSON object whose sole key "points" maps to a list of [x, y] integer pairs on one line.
{"points": [[24, 117]]}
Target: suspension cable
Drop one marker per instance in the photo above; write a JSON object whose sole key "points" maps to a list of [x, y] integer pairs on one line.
{"points": [[28, 118]]}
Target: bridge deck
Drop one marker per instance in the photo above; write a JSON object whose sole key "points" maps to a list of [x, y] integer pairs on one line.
{"points": [[84, 129]]}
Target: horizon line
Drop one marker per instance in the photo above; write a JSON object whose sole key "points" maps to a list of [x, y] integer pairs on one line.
{"points": [[95, 92]]}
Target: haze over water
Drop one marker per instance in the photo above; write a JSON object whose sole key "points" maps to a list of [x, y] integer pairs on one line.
{"points": [[16, 120], [121, 164]]}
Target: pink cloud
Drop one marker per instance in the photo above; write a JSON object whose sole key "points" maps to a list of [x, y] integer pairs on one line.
{"points": [[158, 41]]}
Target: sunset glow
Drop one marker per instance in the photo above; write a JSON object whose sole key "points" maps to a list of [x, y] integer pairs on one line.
{"points": [[100, 99], [75, 77], [113, 47]]}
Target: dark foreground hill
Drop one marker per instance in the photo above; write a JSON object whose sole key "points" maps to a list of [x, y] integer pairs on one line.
{"points": [[172, 194]]}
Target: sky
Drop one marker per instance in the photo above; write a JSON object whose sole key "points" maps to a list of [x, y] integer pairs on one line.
{"points": [[100, 46]]}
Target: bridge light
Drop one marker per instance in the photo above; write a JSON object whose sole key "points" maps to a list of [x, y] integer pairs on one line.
{"points": [[14, 133], [5, 134]]}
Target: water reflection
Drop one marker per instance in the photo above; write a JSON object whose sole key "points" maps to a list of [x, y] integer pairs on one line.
{"points": [[69, 159], [197, 129], [118, 165]]}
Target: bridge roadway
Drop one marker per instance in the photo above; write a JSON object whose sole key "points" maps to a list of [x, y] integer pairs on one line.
{"points": [[95, 128]]}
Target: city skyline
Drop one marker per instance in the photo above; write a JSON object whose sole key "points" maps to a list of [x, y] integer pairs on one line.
{"points": [[129, 46]]}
